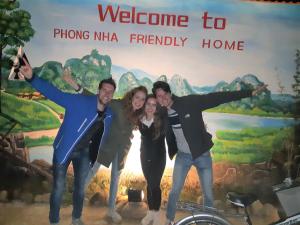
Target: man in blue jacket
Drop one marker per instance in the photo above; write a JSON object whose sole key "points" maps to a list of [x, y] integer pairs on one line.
{"points": [[87, 119]]}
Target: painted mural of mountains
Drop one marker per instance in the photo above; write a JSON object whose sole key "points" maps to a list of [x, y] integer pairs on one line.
{"points": [[181, 86], [248, 81], [118, 71], [203, 90], [87, 71], [128, 81], [92, 68]]}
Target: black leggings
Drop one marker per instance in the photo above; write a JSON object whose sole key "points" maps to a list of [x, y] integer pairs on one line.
{"points": [[153, 170]]}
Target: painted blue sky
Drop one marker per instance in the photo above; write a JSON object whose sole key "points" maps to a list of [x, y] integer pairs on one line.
{"points": [[271, 33]]}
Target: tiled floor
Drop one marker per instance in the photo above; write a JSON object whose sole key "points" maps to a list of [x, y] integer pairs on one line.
{"points": [[37, 214]]}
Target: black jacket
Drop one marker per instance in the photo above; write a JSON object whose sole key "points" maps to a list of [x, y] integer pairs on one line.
{"points": [[189, 109], [151, 149]]}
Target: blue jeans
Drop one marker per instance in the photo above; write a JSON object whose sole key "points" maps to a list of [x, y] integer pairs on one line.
{"points": [[182, 165], [80, 161], [114, 180]]}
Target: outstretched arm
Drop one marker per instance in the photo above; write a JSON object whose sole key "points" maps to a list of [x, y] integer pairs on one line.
{"points": [[67, 77], [47, 89], [26, 70], [259, 90], [214, 99]]}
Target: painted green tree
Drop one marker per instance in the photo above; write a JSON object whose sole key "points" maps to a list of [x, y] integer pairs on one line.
{"points": [[15, 30], [296, 88], [296, 85]]}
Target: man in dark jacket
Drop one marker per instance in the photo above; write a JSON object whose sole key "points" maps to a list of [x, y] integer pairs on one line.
{"points": [[187, 137], [87, 118]]}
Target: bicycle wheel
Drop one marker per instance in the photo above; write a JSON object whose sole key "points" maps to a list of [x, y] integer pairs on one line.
{"points": [[203, 219]]}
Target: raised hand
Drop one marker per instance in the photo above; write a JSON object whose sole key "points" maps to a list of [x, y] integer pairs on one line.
{"points": [[26, 70], [67, 77], [259, 90]]}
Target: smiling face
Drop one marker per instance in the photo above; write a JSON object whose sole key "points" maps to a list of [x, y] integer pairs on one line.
{"points": [[150, 107], [138, 100], [106, 93], [164, 98]]}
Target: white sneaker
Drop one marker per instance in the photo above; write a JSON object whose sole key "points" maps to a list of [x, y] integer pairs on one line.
{"points": [[114, 216], [148, 218], [157, 218], [77, 222], [169, 222]]}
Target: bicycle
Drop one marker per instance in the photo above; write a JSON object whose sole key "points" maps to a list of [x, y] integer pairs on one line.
{"points": [[205, 215], [201, 215]]}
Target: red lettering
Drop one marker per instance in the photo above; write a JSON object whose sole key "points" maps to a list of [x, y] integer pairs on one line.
{"points": [[138, 21], [140, 38], [182, 21], [114, 37], [154, 19], [56, 32], [217, 25], [105, 36], [228, 46], [159, 40], [205, 43], [205, 18], [168, 40], [151, 39], [125, 17], [240, 45], [168, 19], [133, 14], [71, 34], [219, 42], [64, 33], [132, 37], [113, 16], [223, 23], [102, 36]]}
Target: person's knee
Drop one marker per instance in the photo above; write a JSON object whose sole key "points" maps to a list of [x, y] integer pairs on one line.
{"points": [[119, 173], [156, 189], [79, 193], [175, 191], [59, 184]]}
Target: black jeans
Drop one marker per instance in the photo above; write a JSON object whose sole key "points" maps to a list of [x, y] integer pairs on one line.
{"points": [[153, 170]]}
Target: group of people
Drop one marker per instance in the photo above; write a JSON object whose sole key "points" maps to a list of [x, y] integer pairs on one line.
{"points": [[97, 131]]}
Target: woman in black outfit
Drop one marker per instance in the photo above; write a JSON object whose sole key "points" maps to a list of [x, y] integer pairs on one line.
{"points": [[153, 157]]}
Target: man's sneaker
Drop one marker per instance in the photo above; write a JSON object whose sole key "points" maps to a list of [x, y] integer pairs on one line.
{"points": [[169, 222], [77, 222], [148, 218], [114, 216]]}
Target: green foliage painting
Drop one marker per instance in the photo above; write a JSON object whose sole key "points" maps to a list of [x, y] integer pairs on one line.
{"points": [[32, 115], [15, 30]]}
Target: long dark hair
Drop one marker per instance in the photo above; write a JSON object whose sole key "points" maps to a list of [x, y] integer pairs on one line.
{"points": [[157, 120], [133, 116]]}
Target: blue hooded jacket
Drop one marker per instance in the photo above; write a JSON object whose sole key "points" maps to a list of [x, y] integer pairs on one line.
{"points": [[80, 114]]}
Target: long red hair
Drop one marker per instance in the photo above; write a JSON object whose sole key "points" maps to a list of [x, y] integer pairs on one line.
{"points": [[133, 116]]}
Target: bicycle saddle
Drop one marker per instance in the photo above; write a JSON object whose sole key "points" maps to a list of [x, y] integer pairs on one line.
{"points": [[239, 199]]}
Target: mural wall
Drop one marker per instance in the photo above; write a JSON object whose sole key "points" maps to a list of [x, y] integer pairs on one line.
{"points": [[198, 47]]}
